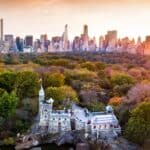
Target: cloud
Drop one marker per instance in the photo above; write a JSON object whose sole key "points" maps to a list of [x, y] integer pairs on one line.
{"points": [[69, 2]]}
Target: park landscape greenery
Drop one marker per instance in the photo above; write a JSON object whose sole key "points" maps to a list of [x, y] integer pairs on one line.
{"points": [[91, 80]]}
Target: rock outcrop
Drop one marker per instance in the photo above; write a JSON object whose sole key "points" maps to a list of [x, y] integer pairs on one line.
{"points": [[77, 138]]}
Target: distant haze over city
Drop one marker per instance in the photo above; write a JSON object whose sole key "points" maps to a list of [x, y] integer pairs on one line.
{"points": [[37, 17]]}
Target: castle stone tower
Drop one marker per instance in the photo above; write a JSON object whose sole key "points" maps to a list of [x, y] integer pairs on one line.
{"points": [[41, 98], [41, 94]]}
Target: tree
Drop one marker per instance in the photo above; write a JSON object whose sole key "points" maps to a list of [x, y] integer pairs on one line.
{"points": [[7, 81], [54, 79], [80, 74], [121, 79], [115, 101], [136, 73], [121, 83], [63, 94], [138, 126], [11, 59], [27, 84], [139, 93], [100, 65], [1, 91], [8, 104], [96, 106], [89, 65], [121, 90]]}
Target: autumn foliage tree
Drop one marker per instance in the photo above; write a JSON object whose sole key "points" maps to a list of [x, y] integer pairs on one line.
{"points": [[138, 93], [115, 101], [53, 79]]}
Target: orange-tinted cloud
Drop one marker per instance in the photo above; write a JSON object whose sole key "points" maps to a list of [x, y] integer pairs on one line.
{"points": [[70, 2]]}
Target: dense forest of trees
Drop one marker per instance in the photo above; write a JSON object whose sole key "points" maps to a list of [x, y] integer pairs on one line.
{"points": [[91, 80]]}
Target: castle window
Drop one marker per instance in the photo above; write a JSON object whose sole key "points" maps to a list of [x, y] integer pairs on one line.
{"points": [[53, 118]]}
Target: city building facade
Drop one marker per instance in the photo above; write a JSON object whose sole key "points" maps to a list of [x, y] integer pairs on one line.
{"points": [[110, 43]]}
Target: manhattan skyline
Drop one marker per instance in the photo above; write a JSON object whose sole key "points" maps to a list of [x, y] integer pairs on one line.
{"points": [[37, 17]]}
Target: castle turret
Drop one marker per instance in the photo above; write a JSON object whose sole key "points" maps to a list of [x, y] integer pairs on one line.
{"points": [[50, 102], [41, 94]]}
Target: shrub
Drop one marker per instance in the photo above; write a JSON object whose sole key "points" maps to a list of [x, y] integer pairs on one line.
{"points": [[9, 141]]}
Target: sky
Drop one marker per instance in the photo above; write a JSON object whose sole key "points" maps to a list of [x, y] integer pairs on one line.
{"points": [[26, 17]]}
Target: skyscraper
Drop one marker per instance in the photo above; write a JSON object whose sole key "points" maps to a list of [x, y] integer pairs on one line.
{"points": [[65, 38], [19, 44], [29, 41], [85, 30], [10, 39], [1, 29], [84, 39], [111, 40]]}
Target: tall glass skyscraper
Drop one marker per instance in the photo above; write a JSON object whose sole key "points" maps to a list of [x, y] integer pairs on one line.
{"points": [[1, 29]]}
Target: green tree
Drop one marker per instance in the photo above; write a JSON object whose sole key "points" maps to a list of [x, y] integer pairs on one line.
{"points": [[2, 120], [80, 74], [96, 106], [61, 95], [138, 126], [89, 65], [100, 65], [27, 84], [8, 104], [54, 79], [7, 81], [11, 59], [121, 79], [1, 91], [121, 90], [121, 83]]}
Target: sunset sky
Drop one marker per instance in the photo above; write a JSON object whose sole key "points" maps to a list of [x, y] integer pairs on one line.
{"points": [[129, 17]]}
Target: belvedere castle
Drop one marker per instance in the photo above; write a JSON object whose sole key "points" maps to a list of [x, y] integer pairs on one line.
{"points": [[77, 118]]}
